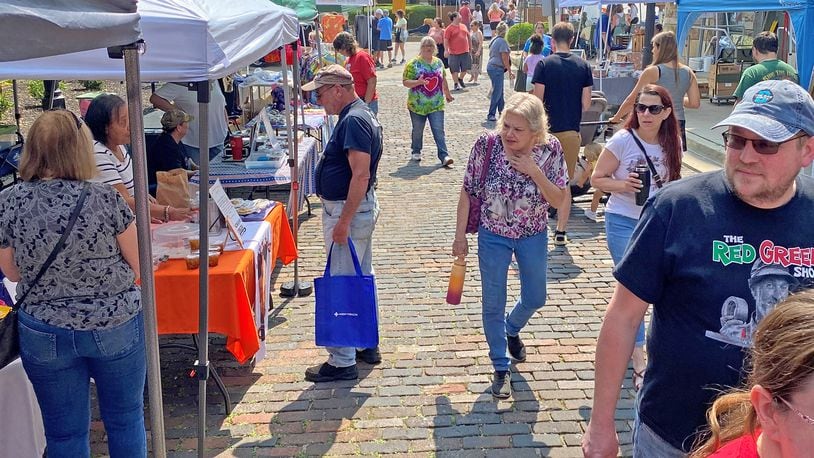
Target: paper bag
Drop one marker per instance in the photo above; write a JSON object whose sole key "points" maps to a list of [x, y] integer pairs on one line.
{"points": [[173, 188]]}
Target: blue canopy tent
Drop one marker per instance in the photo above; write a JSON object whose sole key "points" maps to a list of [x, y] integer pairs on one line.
{"points": [[801, 13]]}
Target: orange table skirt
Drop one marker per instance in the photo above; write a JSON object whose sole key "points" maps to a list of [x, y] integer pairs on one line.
{"points": [[232, 286]]}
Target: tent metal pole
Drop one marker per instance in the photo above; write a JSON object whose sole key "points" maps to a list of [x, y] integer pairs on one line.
{"points": [[649, 30], [201, 366], [133, 80], [294, 163]]}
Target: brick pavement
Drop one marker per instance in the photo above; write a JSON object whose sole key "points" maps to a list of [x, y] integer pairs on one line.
{"points": [[429, 397]]}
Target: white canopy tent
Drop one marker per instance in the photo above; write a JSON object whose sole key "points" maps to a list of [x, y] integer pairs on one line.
{"points": [[193, 41]]}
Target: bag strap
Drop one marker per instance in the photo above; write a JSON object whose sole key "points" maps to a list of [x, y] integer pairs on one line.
{"points": [[355, 258], [490, 143], [58, 247], [656, 176]]}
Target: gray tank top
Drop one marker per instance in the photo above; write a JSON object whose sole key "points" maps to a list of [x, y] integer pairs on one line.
{"points": [[677, 89]]}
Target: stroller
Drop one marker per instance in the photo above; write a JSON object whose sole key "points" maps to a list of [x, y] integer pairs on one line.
{"points": [[592, 124]]}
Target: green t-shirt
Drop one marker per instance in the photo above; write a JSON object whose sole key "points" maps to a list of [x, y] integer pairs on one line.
{"points": [[773, 69], [425, 99]]}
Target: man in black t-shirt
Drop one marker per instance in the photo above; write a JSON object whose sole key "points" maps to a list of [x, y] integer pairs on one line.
{"points": [[569, 80], [167, 152], [344, 179], [742, 237]]}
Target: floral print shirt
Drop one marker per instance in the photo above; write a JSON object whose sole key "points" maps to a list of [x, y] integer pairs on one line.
{"points": [[429, 98], [513, 205]]}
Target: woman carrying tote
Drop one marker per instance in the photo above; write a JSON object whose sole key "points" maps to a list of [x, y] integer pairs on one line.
{"points": [[517, 173], [667, 72], [81, 318], [650, 139]]}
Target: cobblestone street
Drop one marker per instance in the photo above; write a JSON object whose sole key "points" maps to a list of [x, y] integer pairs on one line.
{"points": [[429, 396]]}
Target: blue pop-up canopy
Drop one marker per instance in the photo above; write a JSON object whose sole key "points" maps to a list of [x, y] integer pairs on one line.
{"points": [[801, 13]]}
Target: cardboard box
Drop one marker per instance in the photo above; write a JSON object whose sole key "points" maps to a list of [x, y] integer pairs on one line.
{"points": [[724, 69], [725, 89], [703, 88]]}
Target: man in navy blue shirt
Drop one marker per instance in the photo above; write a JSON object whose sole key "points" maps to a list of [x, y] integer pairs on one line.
{"points": [[713, 253], [344, 178]]}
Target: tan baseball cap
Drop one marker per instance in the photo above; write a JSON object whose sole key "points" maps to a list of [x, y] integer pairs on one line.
{"points": [[328, 76], [174, 118]]}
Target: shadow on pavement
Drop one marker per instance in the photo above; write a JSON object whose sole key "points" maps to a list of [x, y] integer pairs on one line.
{"points": [[413, 170]]}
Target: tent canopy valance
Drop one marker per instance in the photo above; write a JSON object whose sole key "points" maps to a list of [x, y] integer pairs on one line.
{"points": [[185, 40], [801, 13]]}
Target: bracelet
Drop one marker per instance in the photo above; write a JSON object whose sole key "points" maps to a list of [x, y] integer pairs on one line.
{"points": [[167, 214]]}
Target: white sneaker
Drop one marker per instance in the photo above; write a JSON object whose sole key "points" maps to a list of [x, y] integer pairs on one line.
{"points": [[447, 162], [590, 215], [416, 157]]}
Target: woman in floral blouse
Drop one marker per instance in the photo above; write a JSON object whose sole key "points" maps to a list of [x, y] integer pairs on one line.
{"points": [[426, 78], [525, 175]]}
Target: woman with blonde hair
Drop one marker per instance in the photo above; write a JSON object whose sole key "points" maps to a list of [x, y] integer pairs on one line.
{"points": [[495, 15], [516, 172], [667, 72], [70, 244], [773, 414]]}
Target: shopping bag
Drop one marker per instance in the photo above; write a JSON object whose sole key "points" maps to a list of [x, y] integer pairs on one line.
{"points": [[346, 307], [520, 80], [173, 188]]}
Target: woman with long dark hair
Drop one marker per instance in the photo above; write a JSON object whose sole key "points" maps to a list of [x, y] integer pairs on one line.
{"points": [[667, 72], [650, 139]]}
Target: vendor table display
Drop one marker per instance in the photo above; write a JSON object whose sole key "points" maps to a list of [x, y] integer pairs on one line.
{"points": [[234, 174], [238, 287], [616, 89]]}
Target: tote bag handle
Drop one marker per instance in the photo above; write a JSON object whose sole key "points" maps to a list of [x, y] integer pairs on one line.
{"points": [[356, 264]]}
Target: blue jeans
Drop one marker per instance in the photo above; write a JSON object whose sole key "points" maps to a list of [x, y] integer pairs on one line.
{"points": [[361, 232], [195, 153], [60, 363], [374, 106], [619, 229], [494, 255], [436, 126], [496, 101]]}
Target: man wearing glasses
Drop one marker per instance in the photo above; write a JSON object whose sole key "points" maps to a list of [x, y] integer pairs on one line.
{"points": [[344, 177], [694, 247]]}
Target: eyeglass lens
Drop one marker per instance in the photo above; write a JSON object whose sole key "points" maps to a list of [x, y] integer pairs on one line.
{"points": [[738, 142], [654, 109]]}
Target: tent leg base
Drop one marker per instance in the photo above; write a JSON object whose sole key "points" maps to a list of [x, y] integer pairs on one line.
{"points": [[227, 400], [301, 289]]}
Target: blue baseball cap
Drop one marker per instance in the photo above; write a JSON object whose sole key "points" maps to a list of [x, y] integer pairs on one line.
{"points": [[776, 110]]}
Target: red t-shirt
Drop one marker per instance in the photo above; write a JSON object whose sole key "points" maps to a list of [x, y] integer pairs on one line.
{"points": [[742, 447], [362, 67], [457, 39], [466, 15]]}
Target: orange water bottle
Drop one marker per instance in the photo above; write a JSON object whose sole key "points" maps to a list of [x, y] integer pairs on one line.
{"points": [[456, 281]]}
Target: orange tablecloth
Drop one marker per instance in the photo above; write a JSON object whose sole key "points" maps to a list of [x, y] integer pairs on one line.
{"points": [[231, 292]]}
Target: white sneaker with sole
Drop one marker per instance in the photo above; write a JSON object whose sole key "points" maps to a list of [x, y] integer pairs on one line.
{"points": [[447, 162], [416, 157], [590, 215]]}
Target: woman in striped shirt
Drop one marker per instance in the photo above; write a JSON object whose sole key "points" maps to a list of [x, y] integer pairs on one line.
{"points": [[109, 122]]}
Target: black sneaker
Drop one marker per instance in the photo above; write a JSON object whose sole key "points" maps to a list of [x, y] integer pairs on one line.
{"points": [[327, 373], [502, 384], [369, 355], [516, 348], [461, 82]]}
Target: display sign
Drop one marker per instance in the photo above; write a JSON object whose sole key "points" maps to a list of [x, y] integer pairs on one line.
{"points": [[233, 220]]}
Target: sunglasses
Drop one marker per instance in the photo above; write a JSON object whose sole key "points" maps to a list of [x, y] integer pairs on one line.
{"points": [[653, 109], [75, 117], [802, 416], [761, 146]]}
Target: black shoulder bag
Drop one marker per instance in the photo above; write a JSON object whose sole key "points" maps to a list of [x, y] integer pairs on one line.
{"points": [[656, 176], [9, 342]]}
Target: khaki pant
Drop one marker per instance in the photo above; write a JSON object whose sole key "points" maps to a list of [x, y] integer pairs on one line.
{"points": [[570, 141]]}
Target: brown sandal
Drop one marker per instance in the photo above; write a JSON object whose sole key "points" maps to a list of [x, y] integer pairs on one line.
{"points": [[638, 380]]}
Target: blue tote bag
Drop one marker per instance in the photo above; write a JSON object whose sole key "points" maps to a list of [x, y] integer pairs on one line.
{"points": [[346, 307]]}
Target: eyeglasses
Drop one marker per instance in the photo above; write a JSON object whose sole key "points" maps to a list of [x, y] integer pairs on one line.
{"points": [[761, 146], [802, 416], [75, 117], [319, 94], [654, 109]]}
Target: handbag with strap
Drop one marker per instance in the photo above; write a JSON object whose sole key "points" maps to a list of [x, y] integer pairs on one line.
{"points": [[345, 314], [475, 202], [9, 342], [520, 79], [656, 176]]}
